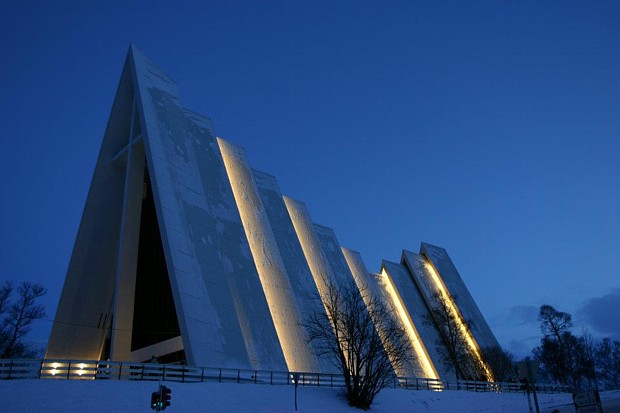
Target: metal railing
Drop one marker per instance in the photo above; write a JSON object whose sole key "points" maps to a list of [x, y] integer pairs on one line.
{"points": [[115, 370]]}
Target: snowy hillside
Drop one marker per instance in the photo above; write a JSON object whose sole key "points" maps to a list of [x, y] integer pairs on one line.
{"points": [[54, 396]]}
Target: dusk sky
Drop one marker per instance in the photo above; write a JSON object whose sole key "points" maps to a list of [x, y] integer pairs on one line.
{"points": [[491, 129]]}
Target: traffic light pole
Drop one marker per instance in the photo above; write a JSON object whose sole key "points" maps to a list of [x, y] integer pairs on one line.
{"points": [[528, 370], [160, 399], [535, 398], [529, 401]]}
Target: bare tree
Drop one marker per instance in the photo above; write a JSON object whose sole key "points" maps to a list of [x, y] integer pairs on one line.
{"points": [[608, 363], [452, 346], [5, 293], [361, 339], [501, 363], [18, 318]]}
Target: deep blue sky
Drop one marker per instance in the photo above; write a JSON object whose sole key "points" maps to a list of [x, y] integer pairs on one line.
{"points": [[489, 128]]}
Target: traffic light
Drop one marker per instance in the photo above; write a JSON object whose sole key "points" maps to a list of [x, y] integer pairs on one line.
{"points": [[155, 400], [160, 399], [166, 395]]}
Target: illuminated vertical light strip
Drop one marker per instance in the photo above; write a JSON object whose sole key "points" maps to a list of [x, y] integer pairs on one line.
{"points": [[269, 264], [368, 288], [359, 272], [321, 272], [469, 338], [420, 350], [311, 247]]}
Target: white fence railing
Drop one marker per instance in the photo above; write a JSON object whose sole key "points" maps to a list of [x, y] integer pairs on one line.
{"points": [[115, 370]]}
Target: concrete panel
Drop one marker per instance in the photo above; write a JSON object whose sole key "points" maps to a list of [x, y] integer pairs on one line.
{"points": [[418, 315], [303, 288], [440, 260], [222, 323], [363, 279], [430, 283], [372, 293], [145, 354], [83, 317], [124, 293], [269, 263], [315, 257], [332, 253]]}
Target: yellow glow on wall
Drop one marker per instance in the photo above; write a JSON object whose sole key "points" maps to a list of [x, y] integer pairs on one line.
{"points": [[268, 261], [471, 342], [412, 333], [319, 267], [309, 245]]}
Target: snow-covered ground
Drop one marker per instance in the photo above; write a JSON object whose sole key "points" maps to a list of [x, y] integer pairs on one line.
{"points": [[52, 396]]}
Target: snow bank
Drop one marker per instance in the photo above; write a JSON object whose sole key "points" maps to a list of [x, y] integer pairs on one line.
{"points": [[54, 396]]}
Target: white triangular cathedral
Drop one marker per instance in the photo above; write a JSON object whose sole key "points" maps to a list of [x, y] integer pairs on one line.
{"points": [[186, 253]]}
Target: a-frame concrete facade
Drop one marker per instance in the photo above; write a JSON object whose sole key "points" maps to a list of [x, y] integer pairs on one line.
{"points": [[222, 311], [186, 253]]}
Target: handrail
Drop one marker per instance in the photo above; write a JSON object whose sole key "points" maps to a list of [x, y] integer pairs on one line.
{"points": [[15, 369]]}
